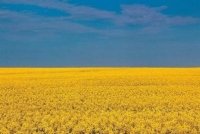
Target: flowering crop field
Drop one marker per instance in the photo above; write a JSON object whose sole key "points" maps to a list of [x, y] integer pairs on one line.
{"points": [[99, 100]]}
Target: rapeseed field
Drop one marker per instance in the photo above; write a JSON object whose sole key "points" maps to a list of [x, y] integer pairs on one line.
{"points": [[99, 100]]}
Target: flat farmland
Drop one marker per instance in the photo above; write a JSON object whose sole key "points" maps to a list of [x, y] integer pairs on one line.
{"points": [[99, 100]]}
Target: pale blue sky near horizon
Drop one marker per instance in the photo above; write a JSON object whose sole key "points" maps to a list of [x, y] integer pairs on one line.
{"points": [[99, 33]]}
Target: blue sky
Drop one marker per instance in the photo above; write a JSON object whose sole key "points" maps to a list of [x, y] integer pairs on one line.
{"points": [[99, 33]]}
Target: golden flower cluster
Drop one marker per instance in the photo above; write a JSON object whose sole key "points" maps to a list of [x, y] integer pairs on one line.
{"points": [[100, 100]]}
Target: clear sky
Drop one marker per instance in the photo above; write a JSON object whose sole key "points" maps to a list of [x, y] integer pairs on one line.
{"points": [[99, 32]]}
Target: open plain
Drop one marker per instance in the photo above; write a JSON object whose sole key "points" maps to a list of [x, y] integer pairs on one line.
{"points": [[99, 100]]}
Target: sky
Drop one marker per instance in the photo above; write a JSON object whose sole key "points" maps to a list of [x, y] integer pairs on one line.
{"points": [[99, 33]]}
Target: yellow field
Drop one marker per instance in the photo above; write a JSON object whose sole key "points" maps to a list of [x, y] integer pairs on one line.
{"points": [[100, 100]]}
